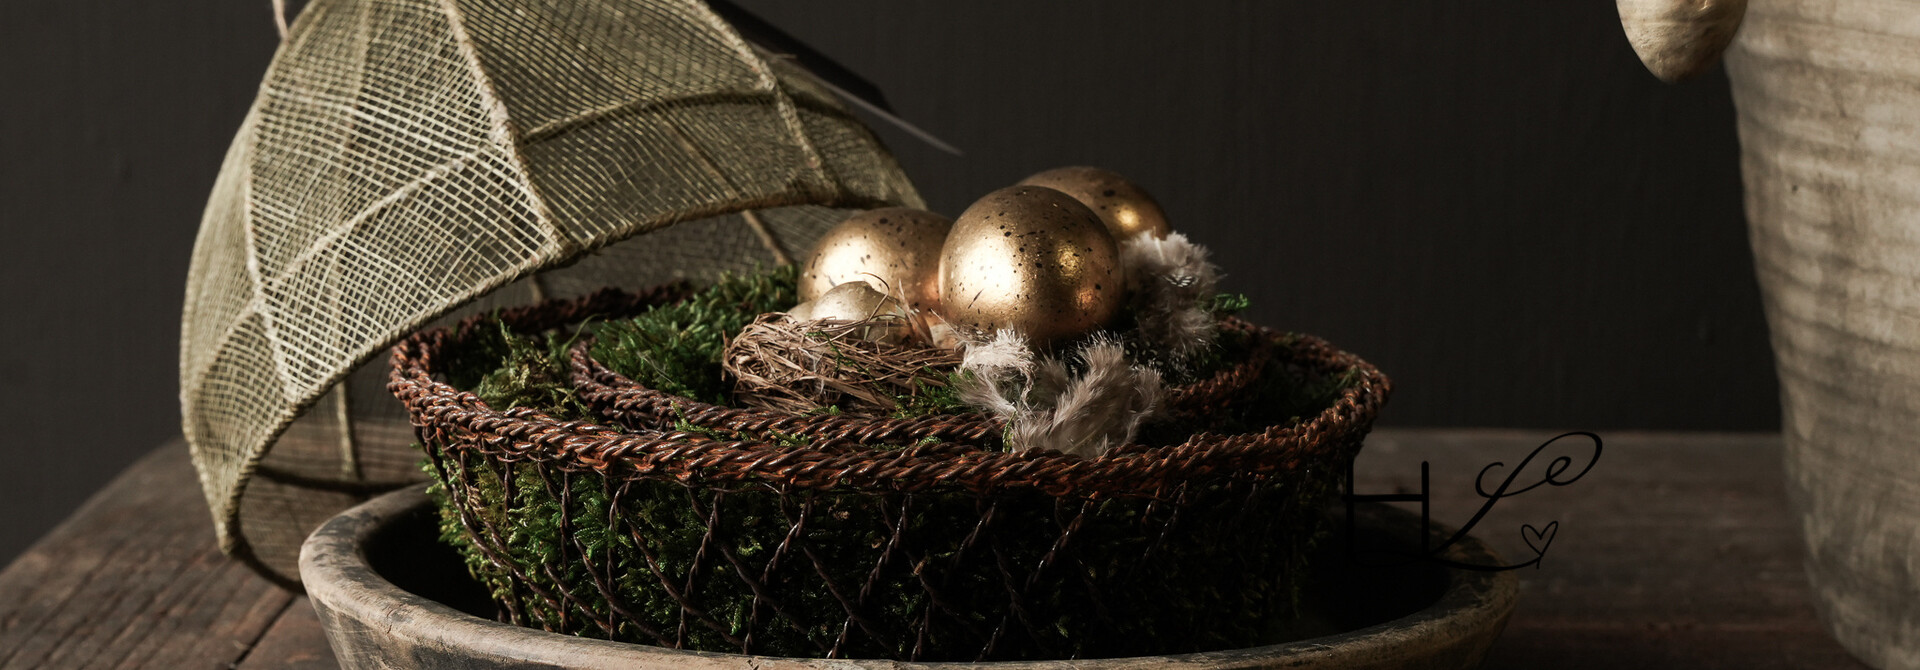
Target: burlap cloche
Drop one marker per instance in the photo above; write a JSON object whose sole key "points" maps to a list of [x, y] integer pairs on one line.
{"points": [[409, 159]]}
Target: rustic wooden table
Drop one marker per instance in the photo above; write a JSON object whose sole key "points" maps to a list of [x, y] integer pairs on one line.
{"points": [[1676, 551]]}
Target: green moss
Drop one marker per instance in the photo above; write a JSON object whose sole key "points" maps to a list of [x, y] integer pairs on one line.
{"points": [[1228, 304], [931, 399], [533, 373], [676, 348], [483, 351]]}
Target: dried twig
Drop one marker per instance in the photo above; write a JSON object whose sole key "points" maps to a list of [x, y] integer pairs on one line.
{"points": [[799, 367]]}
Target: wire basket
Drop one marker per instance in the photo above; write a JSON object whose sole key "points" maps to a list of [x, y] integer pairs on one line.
{"points": [[953, 550]]}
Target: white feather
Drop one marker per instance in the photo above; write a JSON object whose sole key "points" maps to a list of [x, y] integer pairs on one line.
{"points": [[1171, 280], [1005, 350], [1047, 406]]}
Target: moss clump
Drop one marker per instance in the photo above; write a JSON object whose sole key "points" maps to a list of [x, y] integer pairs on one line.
{"points": [[676, 348], [1228, 304], [931, 400], [532, 373]]}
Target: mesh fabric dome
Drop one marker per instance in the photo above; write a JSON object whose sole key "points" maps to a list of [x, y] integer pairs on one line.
{"points": [[405, 158]]}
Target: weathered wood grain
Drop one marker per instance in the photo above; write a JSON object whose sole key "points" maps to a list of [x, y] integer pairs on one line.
{"points": [[133, 580], [295, 642], [1677, 550]]}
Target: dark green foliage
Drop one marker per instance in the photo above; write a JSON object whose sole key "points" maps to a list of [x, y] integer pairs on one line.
{"points": [[932, 399], [676, 348], [483, 351], [533, 373], [1228, 304], [508, 369]]}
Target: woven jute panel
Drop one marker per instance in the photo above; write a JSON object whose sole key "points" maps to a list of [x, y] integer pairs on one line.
{"points": [[405, 158]]}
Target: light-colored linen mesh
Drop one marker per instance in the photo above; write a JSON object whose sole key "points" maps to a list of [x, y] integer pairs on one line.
{"points": [[407, 158]]}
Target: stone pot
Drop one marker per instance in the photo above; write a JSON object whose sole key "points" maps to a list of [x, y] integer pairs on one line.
{"points": [[1829, 102], [1828, 95], [390, 595]]}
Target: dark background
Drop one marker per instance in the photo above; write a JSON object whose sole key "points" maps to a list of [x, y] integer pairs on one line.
{"points": [[1492, 201]]}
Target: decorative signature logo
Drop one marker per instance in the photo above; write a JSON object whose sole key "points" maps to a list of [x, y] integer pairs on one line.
{"points": [[1555, 473]]}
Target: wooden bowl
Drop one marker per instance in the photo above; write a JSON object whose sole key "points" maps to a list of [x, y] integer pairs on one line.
{"points": [[391, 595]]}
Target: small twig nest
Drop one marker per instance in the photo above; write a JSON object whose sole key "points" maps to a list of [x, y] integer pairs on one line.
{"points": [[800, 367]]}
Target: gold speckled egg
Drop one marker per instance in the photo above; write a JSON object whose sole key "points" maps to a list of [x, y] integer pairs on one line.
{"points": [[896, 250], [1032, 259], [1122, 205]]}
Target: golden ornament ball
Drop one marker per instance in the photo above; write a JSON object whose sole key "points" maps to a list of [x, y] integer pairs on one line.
{"points": [[896, 250], [1032, 259], [1122, 205]]}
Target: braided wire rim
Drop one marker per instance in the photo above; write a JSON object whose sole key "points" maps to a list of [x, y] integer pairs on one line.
{"points": [[1131, 471]]}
